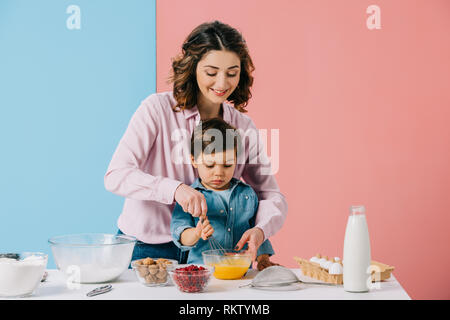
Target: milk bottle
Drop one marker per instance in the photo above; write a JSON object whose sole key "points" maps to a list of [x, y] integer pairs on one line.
{"points": [[356, 258]]}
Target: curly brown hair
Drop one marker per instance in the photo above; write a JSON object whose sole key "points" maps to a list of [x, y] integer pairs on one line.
{"points": [[204, 38]]}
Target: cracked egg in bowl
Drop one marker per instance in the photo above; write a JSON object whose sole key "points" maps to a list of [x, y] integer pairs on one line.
{"points": [[228, 264]]}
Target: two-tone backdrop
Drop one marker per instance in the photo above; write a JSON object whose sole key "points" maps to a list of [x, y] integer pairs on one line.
{"points": [[359, 91]]}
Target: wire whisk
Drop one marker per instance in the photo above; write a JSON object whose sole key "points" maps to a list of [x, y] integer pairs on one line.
{"points": [[215, 245]]}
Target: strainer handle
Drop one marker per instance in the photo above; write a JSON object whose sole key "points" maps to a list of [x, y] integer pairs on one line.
{"points": [[319, 283]]}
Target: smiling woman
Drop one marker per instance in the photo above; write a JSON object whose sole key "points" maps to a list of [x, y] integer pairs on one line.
{"points": [[215, 79], [223, 71], [211, 79]]}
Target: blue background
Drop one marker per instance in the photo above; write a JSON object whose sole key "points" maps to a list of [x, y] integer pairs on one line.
{"points": [[66, 97]]}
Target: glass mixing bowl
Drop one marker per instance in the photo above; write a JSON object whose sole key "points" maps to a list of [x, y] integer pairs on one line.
{"points": [[92, 257], [191, 280], [228, 264]]}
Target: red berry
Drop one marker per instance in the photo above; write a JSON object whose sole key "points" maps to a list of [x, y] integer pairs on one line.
{"points": [[191, 278]]}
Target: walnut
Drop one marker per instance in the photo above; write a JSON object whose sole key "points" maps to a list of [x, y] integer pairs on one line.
{"points": [[153, 270], [148, 261], [139, 262], [162, 280], [143, 271], [161, 274], [150, 279]]}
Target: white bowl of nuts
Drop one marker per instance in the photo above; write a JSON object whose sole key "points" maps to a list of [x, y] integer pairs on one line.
{"points": [[153, 272]]}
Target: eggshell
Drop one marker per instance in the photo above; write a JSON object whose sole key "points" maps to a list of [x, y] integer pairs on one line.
{"points": [[327, 265], [322, 262], [336, 268]]}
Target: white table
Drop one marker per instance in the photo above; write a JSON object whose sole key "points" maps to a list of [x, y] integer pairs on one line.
{"points": [[127, 287]]}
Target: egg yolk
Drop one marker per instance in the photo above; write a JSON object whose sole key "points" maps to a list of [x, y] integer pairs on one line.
{"points": [[231, 269]]}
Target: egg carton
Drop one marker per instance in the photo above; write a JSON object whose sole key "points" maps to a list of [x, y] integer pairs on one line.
{"points": [[380, 271], [313, 270]]}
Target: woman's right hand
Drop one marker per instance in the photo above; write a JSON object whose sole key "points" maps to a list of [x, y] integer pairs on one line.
{"points": [[191, 200]]}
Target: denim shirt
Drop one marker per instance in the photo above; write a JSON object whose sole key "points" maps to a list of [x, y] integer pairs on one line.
{"points": [[229, 222]]}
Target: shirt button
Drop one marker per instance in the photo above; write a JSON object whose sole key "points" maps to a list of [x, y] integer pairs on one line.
{"points": [[221, 211], [246, 197], [231, 209], [229, 229]]}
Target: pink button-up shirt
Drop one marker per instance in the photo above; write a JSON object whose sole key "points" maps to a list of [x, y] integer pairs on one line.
{"points": [[151, 161]]}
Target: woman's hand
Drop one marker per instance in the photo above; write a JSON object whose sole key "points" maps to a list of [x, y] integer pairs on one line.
{"points": [[254, 237], [204, 229], [191, 200], [264, 262]]}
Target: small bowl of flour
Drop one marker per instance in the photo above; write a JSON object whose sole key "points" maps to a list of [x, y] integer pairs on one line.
{"points": [[21, 275]]}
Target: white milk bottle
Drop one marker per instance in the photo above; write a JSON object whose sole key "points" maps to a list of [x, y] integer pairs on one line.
{"points": [[356, 258]]}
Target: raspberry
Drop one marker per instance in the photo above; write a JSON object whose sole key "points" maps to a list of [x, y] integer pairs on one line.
{"points": [[191, 278]]}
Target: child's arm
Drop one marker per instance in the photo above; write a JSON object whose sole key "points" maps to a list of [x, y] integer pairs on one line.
{"points": [[180, 221], [190, 236]]}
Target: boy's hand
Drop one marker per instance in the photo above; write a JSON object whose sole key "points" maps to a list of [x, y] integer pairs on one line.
{"points": [[264, 262], [204, 229]]}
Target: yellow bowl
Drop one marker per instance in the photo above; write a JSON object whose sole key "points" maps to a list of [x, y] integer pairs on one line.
{"points": [[229, 266]]}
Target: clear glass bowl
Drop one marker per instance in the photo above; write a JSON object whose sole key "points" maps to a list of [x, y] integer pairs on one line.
{"points": [[228, 264], [191, 281], [92, 257], [155, 274], [20, 278]]}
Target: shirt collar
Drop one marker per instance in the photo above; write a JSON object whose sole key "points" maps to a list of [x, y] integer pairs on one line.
{"points": [[198, 185], [227, 113], [188, 113]]}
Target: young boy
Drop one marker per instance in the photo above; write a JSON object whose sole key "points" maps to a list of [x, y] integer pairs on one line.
{"points": [[232, 204]]}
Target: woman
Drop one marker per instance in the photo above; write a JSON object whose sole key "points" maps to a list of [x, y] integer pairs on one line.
{"points": [[211, 78]]}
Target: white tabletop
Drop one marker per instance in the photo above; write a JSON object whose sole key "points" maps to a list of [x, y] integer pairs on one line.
{"points": [[127, 287]]}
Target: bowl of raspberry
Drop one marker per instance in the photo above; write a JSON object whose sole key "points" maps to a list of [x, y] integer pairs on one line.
{"points": [[191, 277]]}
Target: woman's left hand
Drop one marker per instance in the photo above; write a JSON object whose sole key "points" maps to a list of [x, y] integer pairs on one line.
{"points": [[254, 237]]}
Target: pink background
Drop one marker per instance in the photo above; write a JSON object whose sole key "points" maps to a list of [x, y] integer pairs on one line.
{"points": [[363, 118]]}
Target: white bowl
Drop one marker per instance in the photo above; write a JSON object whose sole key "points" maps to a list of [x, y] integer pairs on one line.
{"points": [[19, 278], [92, 257]]}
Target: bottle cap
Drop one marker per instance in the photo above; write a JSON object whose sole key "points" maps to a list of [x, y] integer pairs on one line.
{"points": [[354, 210]]}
